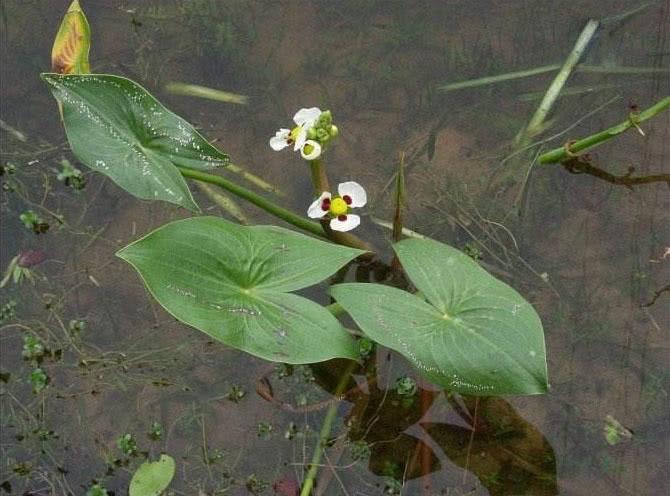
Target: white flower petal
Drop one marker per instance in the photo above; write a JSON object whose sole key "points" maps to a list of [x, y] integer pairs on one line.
{"points": [[315, 211], [354, 191], [351, 222], [314, 154], [300, 139], [278, 141], [307, 117]]}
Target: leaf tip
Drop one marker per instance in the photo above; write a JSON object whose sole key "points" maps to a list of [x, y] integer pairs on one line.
{"points": [[74, 6]]}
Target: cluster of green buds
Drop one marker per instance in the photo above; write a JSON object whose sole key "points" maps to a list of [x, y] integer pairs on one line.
{"points": [[324, 129]]}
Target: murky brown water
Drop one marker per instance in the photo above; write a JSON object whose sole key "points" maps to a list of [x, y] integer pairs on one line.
{"points": [[588, 254]]}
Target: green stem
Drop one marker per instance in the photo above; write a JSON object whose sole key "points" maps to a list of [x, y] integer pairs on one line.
{"points": [[564, 153], [336, 309], [259, 201], [319, 177], [536, 123], [326, 427]]}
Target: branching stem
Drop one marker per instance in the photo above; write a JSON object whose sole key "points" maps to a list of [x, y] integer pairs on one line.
{"points": [[563, 153]]}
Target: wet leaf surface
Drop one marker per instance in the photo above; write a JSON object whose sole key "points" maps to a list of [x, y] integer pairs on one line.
{"points": [[117, 128], [232, 282]]}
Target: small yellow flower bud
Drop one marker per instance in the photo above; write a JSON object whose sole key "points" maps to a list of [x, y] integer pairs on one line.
{"points": [[334, 131]]}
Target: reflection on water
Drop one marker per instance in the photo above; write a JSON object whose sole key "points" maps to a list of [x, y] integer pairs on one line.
{"points": [[589, 254]]}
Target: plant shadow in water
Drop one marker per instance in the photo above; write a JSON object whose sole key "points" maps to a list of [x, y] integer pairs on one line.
{"points": [[493, 442]]}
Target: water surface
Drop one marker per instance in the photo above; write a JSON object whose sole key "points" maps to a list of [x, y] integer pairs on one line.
{"points": [[588, 254]]}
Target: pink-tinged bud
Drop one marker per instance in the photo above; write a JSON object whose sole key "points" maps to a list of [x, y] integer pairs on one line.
{"points": [[30, 258], [286, 487]]}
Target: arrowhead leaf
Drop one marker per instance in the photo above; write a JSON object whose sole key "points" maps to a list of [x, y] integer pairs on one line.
{"points": [[116, 127], [232, 283], [474, 334]]}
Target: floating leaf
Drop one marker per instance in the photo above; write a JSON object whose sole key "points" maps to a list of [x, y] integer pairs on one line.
{"points": [[232, 283], [116, 127], [152, 478], [474, 334], [69, 54]]}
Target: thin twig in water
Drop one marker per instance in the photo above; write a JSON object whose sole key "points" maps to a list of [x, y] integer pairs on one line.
{"points": [[582, 165], [472, 438]]}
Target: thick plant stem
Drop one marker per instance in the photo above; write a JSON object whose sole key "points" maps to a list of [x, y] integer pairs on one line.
{"points": [[634, 120], [319, 177], [326, 427], [259, 201]]}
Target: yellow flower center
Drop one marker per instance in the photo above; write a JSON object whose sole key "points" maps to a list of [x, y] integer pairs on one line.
{"points": [[308, 149], [338, 206], [293, 135]]}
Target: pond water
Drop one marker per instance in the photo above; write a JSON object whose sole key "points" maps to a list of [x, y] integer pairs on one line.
{"points": [[590, 255]]}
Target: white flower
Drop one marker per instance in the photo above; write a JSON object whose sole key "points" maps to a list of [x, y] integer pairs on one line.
{"points": [[350, 195], [304, 119], [311, 150], [280, 140]]}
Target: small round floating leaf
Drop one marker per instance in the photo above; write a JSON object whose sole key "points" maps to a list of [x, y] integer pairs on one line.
{"points": [[116, 127], [232, 283], [152, 478], [475, 334]]}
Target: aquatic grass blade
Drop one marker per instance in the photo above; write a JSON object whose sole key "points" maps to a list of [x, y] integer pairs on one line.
{"points": [[116, 127], [198, 91], [232, 282]]}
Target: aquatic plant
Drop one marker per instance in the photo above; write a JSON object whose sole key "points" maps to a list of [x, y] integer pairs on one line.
{"points": [[463, 329], [152, 478]]}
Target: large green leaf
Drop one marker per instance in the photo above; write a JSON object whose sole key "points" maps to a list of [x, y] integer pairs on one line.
{"points": [[152, 478], [475, 334], [116, 127], [231, 282]]}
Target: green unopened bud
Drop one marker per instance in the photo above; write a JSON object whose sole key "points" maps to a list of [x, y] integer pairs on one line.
{"points": [[311, 133], [322, 135], [325, 119], [334, 131]]}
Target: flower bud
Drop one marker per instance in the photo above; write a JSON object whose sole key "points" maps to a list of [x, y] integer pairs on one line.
{"points": [[311, 133], [322, 135], [325, 119], [334, 131]]}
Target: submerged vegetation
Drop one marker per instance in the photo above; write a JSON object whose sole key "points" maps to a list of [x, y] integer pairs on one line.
{"points": [[334, 308]]}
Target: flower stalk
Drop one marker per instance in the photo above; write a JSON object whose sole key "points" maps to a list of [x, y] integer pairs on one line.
{"points": [[282, 213], [261, 202], [319, 177]]}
